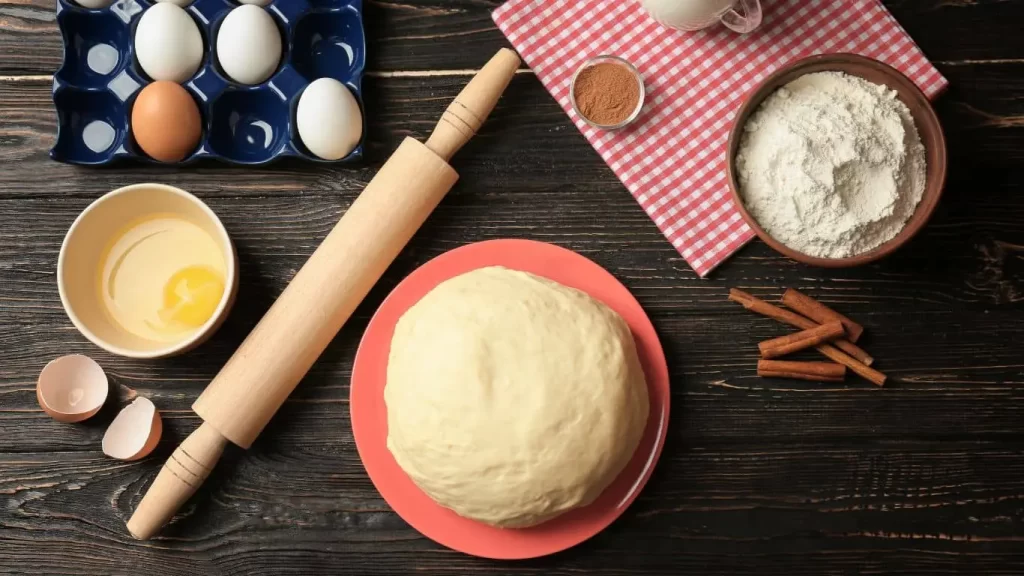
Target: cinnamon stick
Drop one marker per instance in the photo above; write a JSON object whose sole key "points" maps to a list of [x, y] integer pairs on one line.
{"points": [[755, 304], [819, 371], [866, 372], [820, 313], [793, 319], [802, 340], [856, 351]]}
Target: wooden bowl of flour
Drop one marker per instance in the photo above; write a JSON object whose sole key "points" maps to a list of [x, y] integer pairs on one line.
{"points": [[928, 126]]}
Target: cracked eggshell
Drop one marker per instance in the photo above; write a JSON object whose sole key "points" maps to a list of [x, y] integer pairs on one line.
{"points": [[135, 431], [72, 388]]}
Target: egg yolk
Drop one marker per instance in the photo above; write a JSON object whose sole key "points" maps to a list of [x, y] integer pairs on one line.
{"points": [[191, 296]]}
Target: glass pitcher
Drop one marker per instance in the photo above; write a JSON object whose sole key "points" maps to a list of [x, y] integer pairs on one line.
{"points": [[738, 15]]}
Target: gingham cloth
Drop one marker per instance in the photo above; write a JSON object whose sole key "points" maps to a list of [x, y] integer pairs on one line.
{"points": [[672, 160]]}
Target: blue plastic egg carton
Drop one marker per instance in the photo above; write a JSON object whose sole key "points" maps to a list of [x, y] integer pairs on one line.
{"points": [[96, 86]]}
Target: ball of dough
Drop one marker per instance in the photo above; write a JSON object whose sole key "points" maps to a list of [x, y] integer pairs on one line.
{"points": [[511, 398]]}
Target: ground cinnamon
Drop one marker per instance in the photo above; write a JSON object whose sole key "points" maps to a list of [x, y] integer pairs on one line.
{"points": [[606, 93]]}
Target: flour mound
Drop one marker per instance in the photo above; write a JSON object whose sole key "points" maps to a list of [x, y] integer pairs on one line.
{"points": [[831, 165]]}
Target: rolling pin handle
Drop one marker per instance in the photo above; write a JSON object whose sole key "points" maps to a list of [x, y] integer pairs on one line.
{"points": [[473, 105], [177, 481]]}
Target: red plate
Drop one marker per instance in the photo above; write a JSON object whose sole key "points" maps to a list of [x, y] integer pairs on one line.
{"points": [[369, 414]]}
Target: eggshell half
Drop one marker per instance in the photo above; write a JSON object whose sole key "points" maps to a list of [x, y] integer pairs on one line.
{"points": [[135, 431], [72, 388]]}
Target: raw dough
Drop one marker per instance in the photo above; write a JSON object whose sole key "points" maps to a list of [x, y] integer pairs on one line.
{"points": [[511, 398]]}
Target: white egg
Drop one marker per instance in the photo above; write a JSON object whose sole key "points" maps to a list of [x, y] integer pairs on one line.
{"points": [[181, 3], [168, 44], [94, 4], [256, 2], [328, 119], [249, 45]]}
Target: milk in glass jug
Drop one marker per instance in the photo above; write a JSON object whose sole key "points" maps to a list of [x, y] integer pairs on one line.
{"points": [[738, 15]]}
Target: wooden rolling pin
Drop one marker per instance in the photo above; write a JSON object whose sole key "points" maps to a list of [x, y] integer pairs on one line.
{"points": [[268, 365]]}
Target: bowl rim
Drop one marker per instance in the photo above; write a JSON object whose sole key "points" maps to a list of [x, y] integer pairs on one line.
{"points": [[203, 332], [925, 208]]}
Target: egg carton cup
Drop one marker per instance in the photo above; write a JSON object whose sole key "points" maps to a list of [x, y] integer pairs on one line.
{"points": [[100, 77]]}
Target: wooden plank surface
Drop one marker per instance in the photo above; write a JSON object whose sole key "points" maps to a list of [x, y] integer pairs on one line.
{"points": [[923, 477]]}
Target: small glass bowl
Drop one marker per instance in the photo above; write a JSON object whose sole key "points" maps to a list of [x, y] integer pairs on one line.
{"points": [[609, 59]]}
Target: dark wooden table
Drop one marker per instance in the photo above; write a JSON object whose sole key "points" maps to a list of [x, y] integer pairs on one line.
{"points": [[923, 477]]}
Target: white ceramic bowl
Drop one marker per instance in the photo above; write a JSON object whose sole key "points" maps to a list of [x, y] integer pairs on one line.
{"points": [[83, 248]]}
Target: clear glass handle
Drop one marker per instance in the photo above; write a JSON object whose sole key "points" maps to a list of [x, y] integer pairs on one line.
{"points": [[744, 19]]}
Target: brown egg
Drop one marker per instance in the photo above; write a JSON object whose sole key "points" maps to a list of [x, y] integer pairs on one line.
{"points": [[166, 122]]}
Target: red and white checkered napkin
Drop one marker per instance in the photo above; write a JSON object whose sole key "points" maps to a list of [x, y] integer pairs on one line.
{"points": [[673, 159]]}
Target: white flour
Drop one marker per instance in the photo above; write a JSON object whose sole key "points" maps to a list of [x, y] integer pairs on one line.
{"points": [[831, 165]]}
